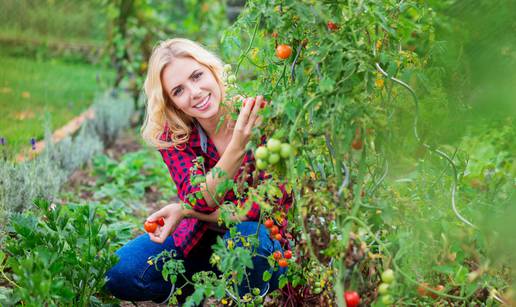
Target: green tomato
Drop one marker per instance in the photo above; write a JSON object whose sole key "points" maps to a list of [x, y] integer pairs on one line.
{"points": [[317, 290], [256, 291], [261, 164], [286, 150], [261, 153], [227, 68], [274, 145], [388, 276], [387, 299], [274, 158], [383, 288]]}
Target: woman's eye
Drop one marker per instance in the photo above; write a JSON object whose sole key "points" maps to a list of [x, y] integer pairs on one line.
{"points": [[177, 92], [197, 76]]}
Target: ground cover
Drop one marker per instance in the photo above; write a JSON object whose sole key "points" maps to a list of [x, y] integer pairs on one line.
{"points": [[31, 90]]}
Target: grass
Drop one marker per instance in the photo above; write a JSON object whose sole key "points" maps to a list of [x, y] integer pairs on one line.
{"points": [[32, 89]]}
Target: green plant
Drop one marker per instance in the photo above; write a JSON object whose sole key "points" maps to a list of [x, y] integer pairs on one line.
{"points": [[60, 253]]}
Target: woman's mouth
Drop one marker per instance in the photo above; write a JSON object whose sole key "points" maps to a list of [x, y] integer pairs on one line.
{"points": [[203, 105]]}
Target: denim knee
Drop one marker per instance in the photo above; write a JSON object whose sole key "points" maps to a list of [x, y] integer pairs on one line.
{"points": [[134, 278]]}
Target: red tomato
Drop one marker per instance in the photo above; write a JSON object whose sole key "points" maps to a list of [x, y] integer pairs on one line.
{"points": [[278, 236], [262, 104], [274, 230], [161, 221], [283, 263], [356, 144], [150, 226], [288, 254], [277, 255], [283, 51], [352, 298], [332, 26], [269, 223]]}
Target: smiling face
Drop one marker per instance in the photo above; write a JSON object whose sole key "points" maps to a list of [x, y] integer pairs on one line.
{"points": [[192, 87]]}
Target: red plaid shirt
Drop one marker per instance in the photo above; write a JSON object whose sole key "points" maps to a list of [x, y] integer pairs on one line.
{"points": [[190, 230]]}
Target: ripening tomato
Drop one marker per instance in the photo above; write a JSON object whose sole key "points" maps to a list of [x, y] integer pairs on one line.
{"points": [[273, 145], [269, 223], [332, 26], [274, 230], [150, 226], [352, 298], [283, 51], [383, 288], [388, 276], [278, 236], [276, 255], [262, 104], [285, 150], [356, 144], [283, 263], [288, 254], [261, 153], [261, 164], [273, 158], [275, 34]]}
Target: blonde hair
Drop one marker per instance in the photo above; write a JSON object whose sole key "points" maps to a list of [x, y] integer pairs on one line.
{"points": [[161, 111]]}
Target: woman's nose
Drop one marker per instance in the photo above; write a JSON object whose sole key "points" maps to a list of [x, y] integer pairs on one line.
{"points": [[195, 90]]}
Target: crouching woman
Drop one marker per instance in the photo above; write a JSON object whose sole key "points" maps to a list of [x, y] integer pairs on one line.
{"points": [[185, 91]]}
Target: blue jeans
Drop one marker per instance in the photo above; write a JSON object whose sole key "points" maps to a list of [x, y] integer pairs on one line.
{"points": [[134, 279]]}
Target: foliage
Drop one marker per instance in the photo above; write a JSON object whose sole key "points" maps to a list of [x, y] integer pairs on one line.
{"points": [[60, 254], [113, 113], [384, 203], [131, 177], [136, 26], [66, 20], [43, 177]]}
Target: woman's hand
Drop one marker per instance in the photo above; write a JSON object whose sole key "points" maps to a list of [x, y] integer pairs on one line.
{"points": [[173, 214], [246, 121]]}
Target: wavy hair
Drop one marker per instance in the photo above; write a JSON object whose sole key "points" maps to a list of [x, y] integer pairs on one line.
{"points": [[161, 111]]}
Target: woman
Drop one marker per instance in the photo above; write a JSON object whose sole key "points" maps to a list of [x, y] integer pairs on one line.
{"points": [[185, 91]]}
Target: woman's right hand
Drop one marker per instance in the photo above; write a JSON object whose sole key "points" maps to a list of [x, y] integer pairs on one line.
{"points": [[246, 121], [172, 214]]}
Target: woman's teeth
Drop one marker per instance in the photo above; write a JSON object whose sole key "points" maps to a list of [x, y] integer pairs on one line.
{"points": [[202, 104]]}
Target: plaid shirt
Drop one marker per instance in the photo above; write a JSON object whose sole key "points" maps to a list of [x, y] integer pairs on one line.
{"points": [[179, 161]]}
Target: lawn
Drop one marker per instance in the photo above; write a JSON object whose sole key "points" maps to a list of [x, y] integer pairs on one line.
{"points": [[32, 90]]}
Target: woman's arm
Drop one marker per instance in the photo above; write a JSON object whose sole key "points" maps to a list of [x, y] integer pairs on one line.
{"points": [[212, 217], [232, 158], [174, 213]]}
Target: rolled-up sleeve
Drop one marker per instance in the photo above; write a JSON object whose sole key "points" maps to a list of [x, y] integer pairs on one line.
{"points": [[180, 164]]}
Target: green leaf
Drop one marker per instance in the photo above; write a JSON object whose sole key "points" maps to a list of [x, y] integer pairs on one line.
{"points": [[326, 85], [267, 275], [283, 280]]}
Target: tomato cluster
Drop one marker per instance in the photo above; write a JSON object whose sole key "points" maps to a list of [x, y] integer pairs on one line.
{"points": [[276, 235], [152, 226], [282, 259], [272, 153], [384, 288]]}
